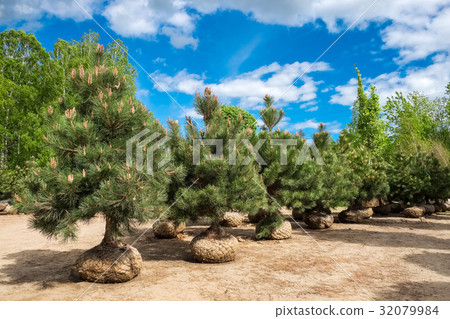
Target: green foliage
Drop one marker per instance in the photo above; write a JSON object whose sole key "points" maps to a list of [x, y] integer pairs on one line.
{"points": [[215, 185], [233, 113], [322, 138], [269, 223], [312, 186], [416, 122], [367, 172], [417, 177], [274, 169], [11, 182], [366, 122], [207, 105], [270, 115], [29, 82], [88, 174]]}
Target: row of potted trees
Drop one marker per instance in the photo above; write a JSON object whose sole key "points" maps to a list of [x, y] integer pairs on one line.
{"points": [[91, 173]]}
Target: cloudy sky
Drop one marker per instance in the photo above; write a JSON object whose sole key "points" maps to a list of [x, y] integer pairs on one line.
{"points": [[244, 49]]}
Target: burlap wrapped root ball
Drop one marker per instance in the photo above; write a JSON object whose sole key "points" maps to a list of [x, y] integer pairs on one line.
{"points": [[232, 219], [213, 246], [414, 212], [109, 264], [167, 229], [318, 220], [355, 215], [278, 233]]}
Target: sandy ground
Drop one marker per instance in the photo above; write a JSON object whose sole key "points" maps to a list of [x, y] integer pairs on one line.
{"points": [[388, 258]]}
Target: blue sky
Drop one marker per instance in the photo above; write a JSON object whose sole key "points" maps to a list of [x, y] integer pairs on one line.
{"points": [[245, 49]]}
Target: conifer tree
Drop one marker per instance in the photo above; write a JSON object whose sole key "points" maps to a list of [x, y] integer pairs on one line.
{"points": [[316, 186], [366, 122], [215, 183], [368, 172], [417, 177], [270, 115], [89, 175]]}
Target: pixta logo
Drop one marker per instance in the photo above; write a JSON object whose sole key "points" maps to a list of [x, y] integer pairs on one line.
{"points": [[148, 145], [303, 156]]}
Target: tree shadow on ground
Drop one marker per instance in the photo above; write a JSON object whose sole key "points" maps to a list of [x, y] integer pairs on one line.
{"points": [[152, 248], [427, 223], [438, 262], [416, 291], [41, 266], [178, 249], [381, 238]]}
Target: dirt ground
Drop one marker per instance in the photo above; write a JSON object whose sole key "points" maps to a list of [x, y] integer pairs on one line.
{"points": [[388, 258]]}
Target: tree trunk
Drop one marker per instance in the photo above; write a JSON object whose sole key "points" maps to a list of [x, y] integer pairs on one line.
{"points": [[108, 239]]}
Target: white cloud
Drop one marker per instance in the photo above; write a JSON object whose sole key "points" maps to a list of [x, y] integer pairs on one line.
{"points": [[312, 109], [147, 18], [418, 28], [332, 127], [142, 93], [430, 80], [249, 88], [13, 12], [419, 34], [191, 112]]}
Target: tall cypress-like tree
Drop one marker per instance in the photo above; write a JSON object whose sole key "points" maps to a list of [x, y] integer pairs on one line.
{"points": [[366, 119], [89, 175]]}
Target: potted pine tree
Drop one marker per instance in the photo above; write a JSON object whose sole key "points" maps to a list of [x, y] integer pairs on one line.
{"points": [[215, 183], [320, 184], [88, 174], [279, 160]]}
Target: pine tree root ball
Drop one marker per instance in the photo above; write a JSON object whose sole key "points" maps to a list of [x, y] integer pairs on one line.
{"points": [[167, 229], [318, 220], [429, 209], [92, 264], [414, 212], [375, 202], [355, 215], [214, 247], [441, 207], [297, 213], [279, 233], [232, 219]]}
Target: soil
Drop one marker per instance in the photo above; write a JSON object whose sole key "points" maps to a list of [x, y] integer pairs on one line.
{"points": [[388, 258]]}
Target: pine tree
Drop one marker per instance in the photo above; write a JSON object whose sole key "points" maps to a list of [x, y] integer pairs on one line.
{"points": [[207, 105], [280, 152], [89, 174], [316, 188], [215, 184], [270, 115]]}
